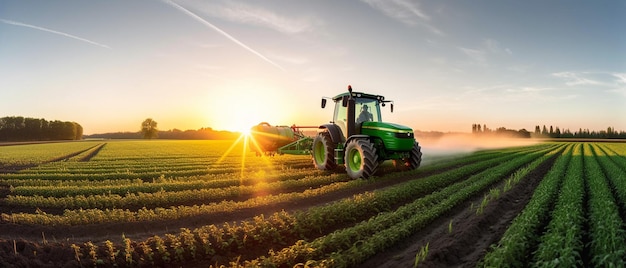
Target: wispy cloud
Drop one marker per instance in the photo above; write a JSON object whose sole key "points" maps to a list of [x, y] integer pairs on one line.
{"points": [[220, 31], [476, 55], [613, 82], [507, 93], [489, 47], [53, 31], [494, 47], [620, 84], [621, 78], [576, 79], [255, 15], [405, 11]]}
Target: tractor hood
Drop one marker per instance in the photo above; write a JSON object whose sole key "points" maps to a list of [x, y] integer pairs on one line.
{"points": [[394, 137], [399, 131]]}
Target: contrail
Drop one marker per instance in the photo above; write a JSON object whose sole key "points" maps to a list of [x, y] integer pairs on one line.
{"points": [[203, 21], [53, 31]]}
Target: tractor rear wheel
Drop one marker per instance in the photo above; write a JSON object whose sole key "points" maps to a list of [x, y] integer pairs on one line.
{"points": [[361, 159], [324, 152], [413, 161]]}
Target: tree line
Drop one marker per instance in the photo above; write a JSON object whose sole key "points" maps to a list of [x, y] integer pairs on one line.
{"points": [[556, 132], [149, 130], [18, 128], [551, 132], [501, 131], [174, 134]]}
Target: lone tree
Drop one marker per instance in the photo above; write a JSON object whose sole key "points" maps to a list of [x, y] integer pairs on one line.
{"points": [[149, 129]]}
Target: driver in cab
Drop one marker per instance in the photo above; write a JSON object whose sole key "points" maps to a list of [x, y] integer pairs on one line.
{"points": [[365, 115]]}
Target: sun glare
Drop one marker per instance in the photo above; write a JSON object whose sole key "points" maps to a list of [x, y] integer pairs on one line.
{"points": [[245, 130]]}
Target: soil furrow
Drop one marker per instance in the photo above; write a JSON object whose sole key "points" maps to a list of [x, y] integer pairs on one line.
{"points": [[471, 234]]}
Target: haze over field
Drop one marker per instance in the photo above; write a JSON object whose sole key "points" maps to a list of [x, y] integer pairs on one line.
{"points": [[108, 65]]}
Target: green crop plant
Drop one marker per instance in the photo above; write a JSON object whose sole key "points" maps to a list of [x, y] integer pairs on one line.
{"points": [[93, 253], [188, 240], [115, 185], [128, 250], [147, 254], [161, 248], [607, 236], [77, 253], [515, 245], [421, 255], [482, 205], [111, 252], [563, 239], [378, 233]]}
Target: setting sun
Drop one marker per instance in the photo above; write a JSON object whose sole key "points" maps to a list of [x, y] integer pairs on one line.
{"points": [[243, 105]]}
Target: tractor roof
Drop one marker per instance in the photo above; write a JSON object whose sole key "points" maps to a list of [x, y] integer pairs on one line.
{"points": [[359, 95]]}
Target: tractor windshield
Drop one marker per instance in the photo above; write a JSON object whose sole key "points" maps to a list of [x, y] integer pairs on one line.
{"points": [[367, 110]]}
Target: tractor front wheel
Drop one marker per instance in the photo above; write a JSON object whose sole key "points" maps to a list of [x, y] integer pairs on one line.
{"points": [[324, 152], [413, 161], [361, 159]]}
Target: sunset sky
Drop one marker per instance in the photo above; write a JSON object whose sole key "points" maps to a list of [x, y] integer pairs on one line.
{"points": [[228, 65]]}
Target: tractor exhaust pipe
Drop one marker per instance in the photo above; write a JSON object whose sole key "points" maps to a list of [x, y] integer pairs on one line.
{"points": [[351, 124]]}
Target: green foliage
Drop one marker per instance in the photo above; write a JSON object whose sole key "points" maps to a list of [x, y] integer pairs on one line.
{"points": [[18, 128], [515, 245], [176, 179], [149, 129], [421, 255]]}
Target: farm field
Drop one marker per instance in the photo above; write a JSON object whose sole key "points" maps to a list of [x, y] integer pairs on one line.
{"points": [[202, 203]]}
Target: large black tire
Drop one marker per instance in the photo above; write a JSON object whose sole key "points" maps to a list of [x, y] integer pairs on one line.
{"points": [[324, 152], [413, 161], [361, 159]]}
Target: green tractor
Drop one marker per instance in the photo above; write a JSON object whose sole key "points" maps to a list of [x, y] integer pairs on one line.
{"points": [[362, 142]]}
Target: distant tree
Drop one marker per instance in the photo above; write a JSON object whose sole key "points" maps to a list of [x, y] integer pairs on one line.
{"points": [[537, 130], [149, 129], [523, 133], [79, 131], [551, 131]]}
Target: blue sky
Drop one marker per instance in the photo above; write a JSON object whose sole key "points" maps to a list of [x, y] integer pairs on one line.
{"points": [[108, 65]]}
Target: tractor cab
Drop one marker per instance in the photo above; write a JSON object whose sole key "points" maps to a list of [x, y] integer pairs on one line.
{"points": [[358, 138], [367, 108]]}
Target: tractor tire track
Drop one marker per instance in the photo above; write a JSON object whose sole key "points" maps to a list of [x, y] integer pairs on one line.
{"points": [[94, 151], [68, 156], [20, 167]]}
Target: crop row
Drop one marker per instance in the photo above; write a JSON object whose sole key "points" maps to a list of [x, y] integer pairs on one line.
{"points": [[562, 241], [605, 225], [63, 188], [516, 243], [88, 216], [435, 194], [162, 184], [163, 198], [583, 227], [348, 247], [39, 153], [229, 176], [171, 198]]}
